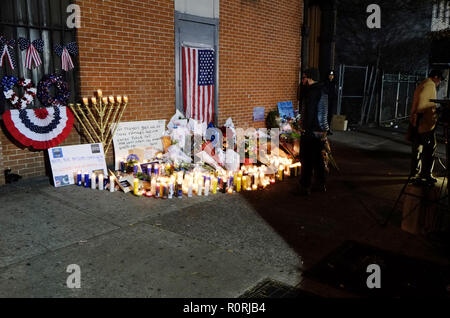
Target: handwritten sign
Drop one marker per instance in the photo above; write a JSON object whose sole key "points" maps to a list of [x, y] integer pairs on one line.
{"points": [[286, 109], [137, 134], [67, 161]]}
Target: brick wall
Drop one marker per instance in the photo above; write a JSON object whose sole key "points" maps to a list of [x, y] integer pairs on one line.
{"points": [[259, 56], [127, 48]]}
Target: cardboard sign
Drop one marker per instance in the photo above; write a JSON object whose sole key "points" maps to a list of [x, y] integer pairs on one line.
{"points": [[67, 161], [286, 109], [137, 134], [258, 113]]}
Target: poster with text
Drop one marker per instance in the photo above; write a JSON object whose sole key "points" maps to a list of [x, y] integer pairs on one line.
{"points": [[137, 134], [67, 161]]}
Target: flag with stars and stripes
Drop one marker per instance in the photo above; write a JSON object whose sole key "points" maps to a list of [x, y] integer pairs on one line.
{"points": [[33, 50], [198, 83], [7, 52]]}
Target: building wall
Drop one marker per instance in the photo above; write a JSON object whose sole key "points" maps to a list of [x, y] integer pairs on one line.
{"points": [[201, 8], [259, 56], [126, 47]]}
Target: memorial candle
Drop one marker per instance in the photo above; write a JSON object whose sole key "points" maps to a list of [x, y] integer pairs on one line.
{"points": [[190, 190], [180, 190], [214, 185], [93, 181], [79, 178], [100, 182], [207, 185], [111, 183], [87, 179], [136, 186], [199, 190], [280, 172]]}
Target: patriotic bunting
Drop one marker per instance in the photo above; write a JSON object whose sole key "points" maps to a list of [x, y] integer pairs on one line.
{"points": [[40, 128], [33, 50], [6, 51], [65, 52]]}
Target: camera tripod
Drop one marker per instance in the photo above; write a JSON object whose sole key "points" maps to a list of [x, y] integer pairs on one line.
{"points": [[426, 189]]}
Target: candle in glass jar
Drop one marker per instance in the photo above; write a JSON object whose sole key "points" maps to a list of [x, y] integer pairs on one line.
{"points": [[180, 190], [79, 175], [207, 185], [190, 190], [214, 185], [93, 181], [254, 187], [100, 182], [111, 183], [280, 172], [230, 190], [171, 189], [87, 179], [136, 186]]}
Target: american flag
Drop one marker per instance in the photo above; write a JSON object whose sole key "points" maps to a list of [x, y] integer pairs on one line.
{"points": [[33, 49], [198, 83]]}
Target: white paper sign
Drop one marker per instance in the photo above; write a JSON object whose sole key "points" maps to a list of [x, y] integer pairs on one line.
{"points": [[137, 134], [67, 161]]}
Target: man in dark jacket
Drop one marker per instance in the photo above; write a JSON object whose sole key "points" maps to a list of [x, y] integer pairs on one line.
{"points": [[332, 95], [314, 118]]}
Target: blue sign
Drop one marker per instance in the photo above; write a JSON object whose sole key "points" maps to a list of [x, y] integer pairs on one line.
{"points": [[258, 113], [286, 109]]}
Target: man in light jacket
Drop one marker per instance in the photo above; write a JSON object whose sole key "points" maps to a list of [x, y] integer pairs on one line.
{"points": [[423, 119]]}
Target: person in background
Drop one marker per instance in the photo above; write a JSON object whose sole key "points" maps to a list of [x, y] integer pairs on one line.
{"points": [[301, 92], [423, 120], [314, 124], [332, 95]]}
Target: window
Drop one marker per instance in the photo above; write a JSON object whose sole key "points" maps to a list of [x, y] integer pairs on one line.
{"points": [[37, 19]]}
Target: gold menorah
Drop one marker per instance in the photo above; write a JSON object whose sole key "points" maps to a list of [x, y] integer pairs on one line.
{"points": [[101, 124]]}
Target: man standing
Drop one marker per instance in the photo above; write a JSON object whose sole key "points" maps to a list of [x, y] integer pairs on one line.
{"points": [[423, 120], [332, 95], [314, 122]]}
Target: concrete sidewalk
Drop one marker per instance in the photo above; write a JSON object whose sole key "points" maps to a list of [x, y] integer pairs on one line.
{"points": [[216, 246]]}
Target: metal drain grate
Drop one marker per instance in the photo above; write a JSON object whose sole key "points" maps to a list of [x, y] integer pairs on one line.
{"points": [[273, 289]]}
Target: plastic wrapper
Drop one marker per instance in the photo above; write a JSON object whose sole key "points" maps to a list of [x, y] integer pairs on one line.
{"points": [[232, 160], [175, 154], [177, 120], [206, 158]]}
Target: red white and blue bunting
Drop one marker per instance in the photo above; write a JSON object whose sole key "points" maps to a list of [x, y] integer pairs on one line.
{"points": [[40, 128]]}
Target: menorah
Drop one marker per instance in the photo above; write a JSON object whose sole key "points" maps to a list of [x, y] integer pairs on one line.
{"points": [[100, 122]]}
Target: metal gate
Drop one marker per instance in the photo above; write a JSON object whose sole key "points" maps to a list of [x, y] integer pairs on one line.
{"points": [[352, 91], [397, 91]]}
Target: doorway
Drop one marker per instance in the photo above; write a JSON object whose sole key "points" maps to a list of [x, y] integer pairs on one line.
{"points": [[199, 32]]}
